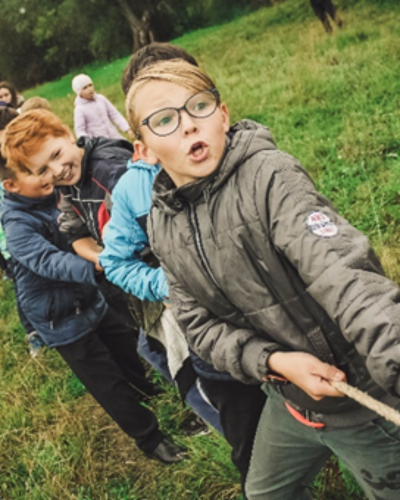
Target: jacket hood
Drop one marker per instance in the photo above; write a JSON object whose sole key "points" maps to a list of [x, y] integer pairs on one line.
{"points": [[98, 148], [80, 101], [142, 165], [12, 202], [244, 139]]}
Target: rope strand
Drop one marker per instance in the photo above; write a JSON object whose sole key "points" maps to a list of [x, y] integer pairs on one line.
{"points": [[366, 400]]}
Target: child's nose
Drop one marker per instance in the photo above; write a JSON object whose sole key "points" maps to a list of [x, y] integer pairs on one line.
{"points": [[188, 123], [55, 168]]}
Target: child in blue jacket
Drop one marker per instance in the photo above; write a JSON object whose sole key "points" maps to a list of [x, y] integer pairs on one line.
{"points": [[58, 293]]}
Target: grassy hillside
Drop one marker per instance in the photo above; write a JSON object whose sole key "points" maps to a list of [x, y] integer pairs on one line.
{"points": [[331, 101]]}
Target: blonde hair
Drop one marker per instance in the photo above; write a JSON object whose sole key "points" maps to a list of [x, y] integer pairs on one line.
{"points": [[35, 103], [174, 71]]}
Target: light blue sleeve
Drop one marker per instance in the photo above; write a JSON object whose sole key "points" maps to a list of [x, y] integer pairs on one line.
{"points": [[125, 239]]}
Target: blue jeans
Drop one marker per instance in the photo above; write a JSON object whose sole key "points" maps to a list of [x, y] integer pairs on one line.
{"points": [[287, 455], [195, 397]]}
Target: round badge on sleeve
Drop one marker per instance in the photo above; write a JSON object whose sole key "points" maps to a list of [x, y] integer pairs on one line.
{"points": [[321, 225]]}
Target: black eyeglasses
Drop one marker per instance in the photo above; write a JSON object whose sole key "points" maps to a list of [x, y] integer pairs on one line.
{"points": [[166, 121]]}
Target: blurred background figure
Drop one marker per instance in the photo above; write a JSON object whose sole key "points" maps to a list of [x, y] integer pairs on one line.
{"points": [[35, 103], [9, 95], [94, 114], [323, 10]]}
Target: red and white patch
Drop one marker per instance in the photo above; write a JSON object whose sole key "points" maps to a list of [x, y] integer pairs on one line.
{"points": [[321, 225]]}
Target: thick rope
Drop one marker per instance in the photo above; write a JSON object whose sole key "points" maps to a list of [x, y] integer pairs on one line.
{"points": [[366, 400]]}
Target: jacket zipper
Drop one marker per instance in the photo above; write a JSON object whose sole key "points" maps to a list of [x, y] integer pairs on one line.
{"points": [[89, 219], [199, 247]]}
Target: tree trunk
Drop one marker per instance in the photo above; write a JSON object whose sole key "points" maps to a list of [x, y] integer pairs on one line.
{"points": [[140, 26]]}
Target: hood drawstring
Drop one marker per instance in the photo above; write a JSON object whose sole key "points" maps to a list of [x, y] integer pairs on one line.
{"points": [[206, 193]]}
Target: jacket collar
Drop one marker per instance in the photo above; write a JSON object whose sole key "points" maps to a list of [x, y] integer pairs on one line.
{"points": [[17, 201], [80, 101], [243, 140]]}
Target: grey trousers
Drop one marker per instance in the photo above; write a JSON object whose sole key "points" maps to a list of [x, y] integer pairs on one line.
{"points": [[287, 455]]}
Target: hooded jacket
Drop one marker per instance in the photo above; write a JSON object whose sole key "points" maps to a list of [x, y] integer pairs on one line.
{"points": [[55, 288], [84, 205], [126, 237], [95, 118], [126, 254], [258, 261]]}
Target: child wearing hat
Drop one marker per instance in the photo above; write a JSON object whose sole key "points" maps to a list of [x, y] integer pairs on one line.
{"points": [[94, 114]]}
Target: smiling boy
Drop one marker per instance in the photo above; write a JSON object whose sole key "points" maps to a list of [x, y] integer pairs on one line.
{"points": [[270, 283], [98, 347]]}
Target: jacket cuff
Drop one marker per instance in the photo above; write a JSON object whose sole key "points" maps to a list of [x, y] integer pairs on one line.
{"points": [[255, 357], [163, 289]]}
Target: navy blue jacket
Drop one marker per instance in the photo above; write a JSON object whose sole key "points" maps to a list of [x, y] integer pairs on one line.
{"points": [[56, 289]]}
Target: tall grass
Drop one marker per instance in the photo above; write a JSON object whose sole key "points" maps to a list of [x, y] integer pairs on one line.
{"points": [[331, 101]]}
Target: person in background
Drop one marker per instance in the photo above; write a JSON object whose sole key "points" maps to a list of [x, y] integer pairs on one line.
{"points": [[35, 103], [94, 114], [9, 95], [325, 9]]}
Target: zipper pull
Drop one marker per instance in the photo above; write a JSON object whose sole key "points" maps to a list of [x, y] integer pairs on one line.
{"points": [[78, 309], [51, 325]]}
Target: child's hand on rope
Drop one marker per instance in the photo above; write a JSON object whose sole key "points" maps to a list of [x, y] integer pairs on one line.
{"points": [[307, 372]]}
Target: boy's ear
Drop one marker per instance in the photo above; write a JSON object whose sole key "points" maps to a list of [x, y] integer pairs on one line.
{"points": [[145, 153], [10, 185], [225, 116]]}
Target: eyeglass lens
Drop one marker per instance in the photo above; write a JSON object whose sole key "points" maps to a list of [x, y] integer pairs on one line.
{"points": [[166, 121]]}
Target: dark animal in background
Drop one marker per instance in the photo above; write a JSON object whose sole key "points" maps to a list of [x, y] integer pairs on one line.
{"points": [[323, 9]]}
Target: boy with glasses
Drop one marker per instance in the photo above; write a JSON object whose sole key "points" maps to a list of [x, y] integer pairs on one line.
{"points": [[270, 284], [129, 263]]}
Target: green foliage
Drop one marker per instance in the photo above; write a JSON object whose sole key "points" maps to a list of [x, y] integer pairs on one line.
{"points": [[331, 101]]}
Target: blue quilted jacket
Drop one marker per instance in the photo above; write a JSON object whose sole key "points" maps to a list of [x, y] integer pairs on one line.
{"points": [[56, 289]]}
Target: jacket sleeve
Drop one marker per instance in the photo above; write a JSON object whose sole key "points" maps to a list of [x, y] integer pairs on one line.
{"points": [[39, 255], [79, 122], [239, 352], [338, 266], [69, 221], [115, 116], [123, 241]]}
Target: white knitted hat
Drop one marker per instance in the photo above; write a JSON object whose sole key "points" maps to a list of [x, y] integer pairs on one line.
{"points": [[79, 82]]}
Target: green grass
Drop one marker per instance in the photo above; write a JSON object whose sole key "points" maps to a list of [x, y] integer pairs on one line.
{"points": [[331, 101]]}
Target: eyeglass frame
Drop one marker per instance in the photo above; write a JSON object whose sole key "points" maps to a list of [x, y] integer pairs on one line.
{"points": [[145, 122]]}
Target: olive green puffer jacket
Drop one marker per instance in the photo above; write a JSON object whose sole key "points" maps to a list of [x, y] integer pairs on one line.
{"points": [[259, 261]]}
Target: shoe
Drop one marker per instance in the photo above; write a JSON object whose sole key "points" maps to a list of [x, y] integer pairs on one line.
{"points": [[167, 453], [195, 427]]}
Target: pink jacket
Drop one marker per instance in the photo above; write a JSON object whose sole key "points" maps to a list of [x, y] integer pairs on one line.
{"points": [[94, 117]]}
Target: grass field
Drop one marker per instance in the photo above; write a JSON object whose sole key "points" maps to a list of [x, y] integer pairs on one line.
{"points": [[331, 101]]}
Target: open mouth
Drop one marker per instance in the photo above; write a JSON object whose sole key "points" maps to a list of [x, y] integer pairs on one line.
{"points": [[198, 151], [65, 176]]}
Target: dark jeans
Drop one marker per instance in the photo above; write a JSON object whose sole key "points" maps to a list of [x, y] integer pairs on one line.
{"points": [[107, 364], [239, 407]]}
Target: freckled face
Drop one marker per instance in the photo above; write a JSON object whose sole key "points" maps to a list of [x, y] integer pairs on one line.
{"points": [[61, 157]]}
